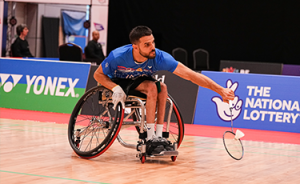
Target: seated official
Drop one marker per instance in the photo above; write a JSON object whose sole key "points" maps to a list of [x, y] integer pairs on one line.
{"points": [[93, 51], [20, 47]]}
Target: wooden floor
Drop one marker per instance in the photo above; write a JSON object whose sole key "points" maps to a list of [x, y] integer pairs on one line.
{"points": [[39, 153]]}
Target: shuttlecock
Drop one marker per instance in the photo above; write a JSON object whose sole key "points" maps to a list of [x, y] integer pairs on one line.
{"points": [[239, 134]]}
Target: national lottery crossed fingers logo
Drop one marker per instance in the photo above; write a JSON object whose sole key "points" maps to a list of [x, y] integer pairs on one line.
{"points": [[223, 108]]}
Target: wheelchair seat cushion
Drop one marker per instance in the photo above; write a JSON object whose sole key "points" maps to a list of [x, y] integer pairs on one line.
{"points": [[137, 94]]}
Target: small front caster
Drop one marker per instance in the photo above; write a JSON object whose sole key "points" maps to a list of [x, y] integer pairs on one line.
{"points": [[173, 158], [143, 159]]}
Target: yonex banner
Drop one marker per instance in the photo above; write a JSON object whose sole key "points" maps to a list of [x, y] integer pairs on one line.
{"points": [[266, 102], [42, 85]]}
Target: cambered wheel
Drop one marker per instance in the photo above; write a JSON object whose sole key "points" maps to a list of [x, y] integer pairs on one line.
{"points": [[94, 124]]}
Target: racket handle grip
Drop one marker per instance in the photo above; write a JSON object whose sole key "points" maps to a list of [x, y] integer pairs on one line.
{"points": [[230, 104]]}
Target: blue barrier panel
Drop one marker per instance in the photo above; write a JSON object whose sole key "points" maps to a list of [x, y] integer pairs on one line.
{"points": [[51, 59], [42, 85], [265, 102]]}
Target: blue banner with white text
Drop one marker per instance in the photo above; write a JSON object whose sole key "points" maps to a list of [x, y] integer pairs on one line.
{"points": [[265, 102]]}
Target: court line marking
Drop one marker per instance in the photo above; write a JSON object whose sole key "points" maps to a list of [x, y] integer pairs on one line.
{"points": [[196, 146], [53, 177], [182, 145], [245, 151]]}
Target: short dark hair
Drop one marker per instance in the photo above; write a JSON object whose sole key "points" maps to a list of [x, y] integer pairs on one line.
{"points": [[138, 32], [20, 28]]}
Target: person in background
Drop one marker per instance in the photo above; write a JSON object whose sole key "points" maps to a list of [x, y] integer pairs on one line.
{"points": [[94, 49], [20, 47]]}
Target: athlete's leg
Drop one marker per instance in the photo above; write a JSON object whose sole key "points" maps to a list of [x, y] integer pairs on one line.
{"points": [[161, 107], [155, 143], [161, 103], [149, 88], [154, 99]]}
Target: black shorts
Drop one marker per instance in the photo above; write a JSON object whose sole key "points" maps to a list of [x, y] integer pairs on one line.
{"points": [[129, 85]]}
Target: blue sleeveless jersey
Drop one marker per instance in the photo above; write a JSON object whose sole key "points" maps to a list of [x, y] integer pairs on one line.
{"points": [[120, 64]]}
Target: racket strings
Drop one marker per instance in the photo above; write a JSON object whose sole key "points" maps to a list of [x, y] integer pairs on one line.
{"points": [[232, 145]]}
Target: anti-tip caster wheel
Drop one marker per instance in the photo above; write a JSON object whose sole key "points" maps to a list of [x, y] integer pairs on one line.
{"points": [[143, 159], [173, 158]]}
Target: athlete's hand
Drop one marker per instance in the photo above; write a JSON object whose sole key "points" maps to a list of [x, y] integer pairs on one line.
{"points": [[227, 94], [118, 96]]}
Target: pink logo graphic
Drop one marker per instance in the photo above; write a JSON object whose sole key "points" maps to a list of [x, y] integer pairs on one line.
{"points": [[98, 27]]}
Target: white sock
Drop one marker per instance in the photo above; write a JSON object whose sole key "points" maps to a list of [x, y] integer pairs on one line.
{"points": [[159, 129], [150, 131]]}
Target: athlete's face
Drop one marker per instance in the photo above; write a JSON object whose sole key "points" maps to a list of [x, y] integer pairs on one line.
{"points": [[146, 47]]}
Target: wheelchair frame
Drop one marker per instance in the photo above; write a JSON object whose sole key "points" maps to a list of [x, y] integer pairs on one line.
{"points": [[93, 116]]}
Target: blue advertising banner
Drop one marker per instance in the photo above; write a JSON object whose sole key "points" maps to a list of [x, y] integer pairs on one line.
{"points": [[265, 102], [42, 85], [46, 69]]}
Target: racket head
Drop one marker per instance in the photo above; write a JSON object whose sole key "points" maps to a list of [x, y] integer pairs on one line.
{"points": [[233, 146]]}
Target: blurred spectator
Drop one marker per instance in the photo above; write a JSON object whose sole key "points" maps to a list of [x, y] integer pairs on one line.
{"points": [[94, 49], [20, 47]]}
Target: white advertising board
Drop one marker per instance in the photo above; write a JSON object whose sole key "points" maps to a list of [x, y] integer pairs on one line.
{"points": [[1, 24], [100, 2], [84, 2], [99, 22]]}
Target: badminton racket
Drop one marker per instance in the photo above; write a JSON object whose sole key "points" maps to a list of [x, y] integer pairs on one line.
{"points": [[231, 140]]}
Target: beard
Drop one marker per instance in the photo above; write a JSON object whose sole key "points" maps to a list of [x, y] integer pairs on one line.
{"points": [[149, 56]]}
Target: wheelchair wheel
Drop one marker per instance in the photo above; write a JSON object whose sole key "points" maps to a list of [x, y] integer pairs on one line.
{"points": [[176, 128], [94, 124]]}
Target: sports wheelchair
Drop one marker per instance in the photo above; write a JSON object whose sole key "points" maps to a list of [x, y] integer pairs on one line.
{"points": [[94, 124]]}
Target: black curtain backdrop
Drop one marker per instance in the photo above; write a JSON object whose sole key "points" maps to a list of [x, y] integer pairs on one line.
{"points": [[50, 29], [4, 30], [259, 31]]}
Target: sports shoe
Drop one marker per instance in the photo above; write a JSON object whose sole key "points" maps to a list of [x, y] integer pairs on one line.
{"points": [[157, 145], [167, 144], [154, 148]]}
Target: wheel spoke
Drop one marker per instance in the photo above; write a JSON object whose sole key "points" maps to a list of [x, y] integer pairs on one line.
{"points": [[96, 121]]}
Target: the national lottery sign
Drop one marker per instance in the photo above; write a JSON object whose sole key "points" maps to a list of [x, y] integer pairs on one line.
{"points": [[265, 102]]}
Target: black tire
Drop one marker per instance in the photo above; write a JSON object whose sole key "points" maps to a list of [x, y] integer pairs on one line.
{"points": [[176, 132], [97, 123]]}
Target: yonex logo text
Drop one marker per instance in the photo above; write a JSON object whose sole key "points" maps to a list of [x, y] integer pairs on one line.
{"points": [[51, 85]]}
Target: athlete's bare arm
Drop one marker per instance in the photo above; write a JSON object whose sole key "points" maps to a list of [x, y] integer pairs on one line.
{"points": [[204, 81], [103, 79]]}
